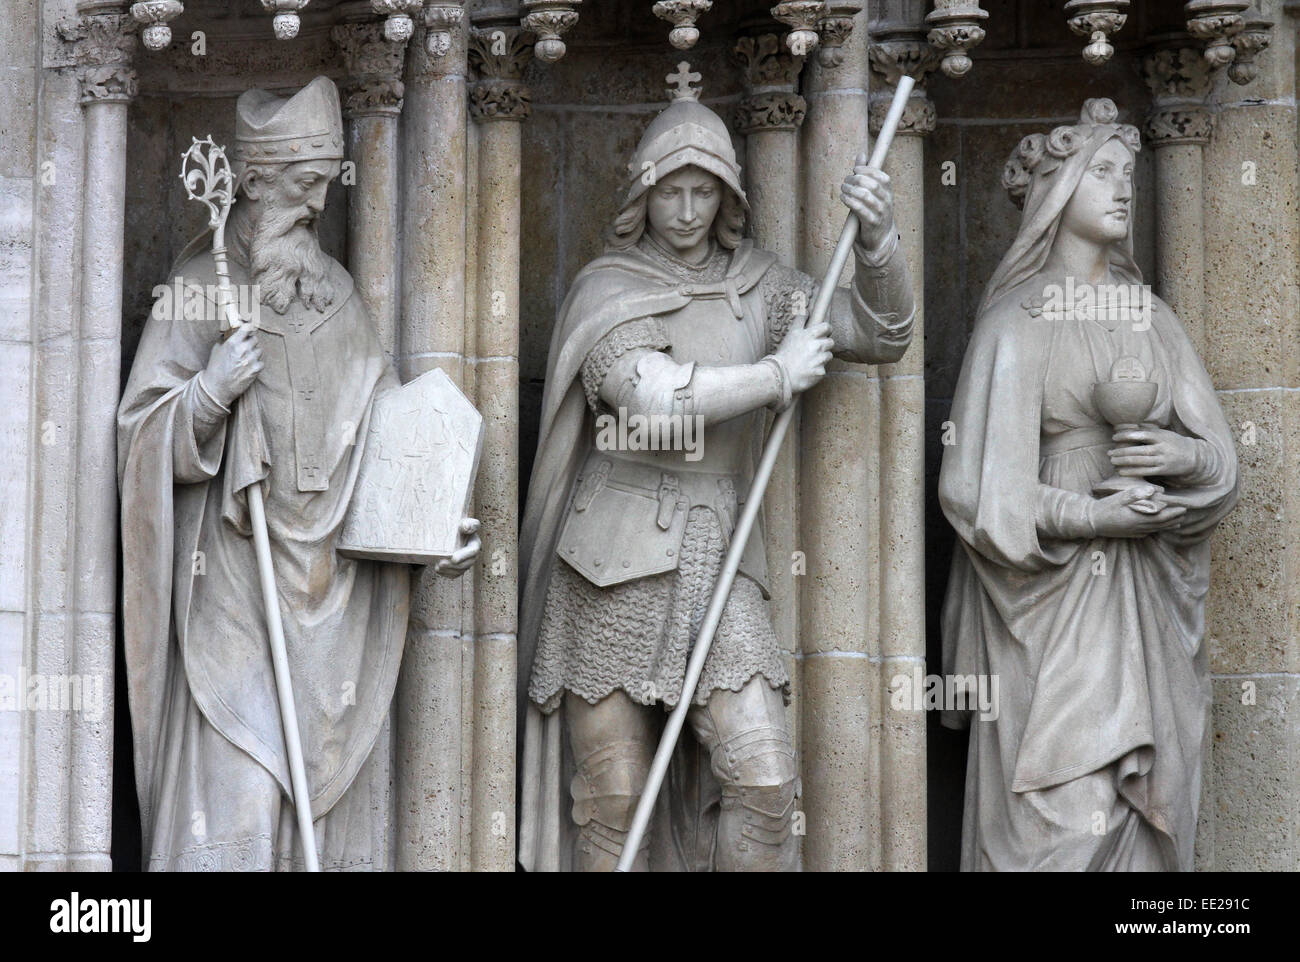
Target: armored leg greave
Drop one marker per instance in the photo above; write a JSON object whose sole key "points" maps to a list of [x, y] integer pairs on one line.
{"points": [[752, 756]]}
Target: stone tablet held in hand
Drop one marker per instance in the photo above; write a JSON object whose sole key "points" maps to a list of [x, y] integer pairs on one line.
{"points": [[417, 474]]}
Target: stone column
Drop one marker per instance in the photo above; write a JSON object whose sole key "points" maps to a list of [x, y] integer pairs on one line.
{"points": [[1179, 127], [838, 512], [67, 780], [499, 102], [428, 706], [372, 103], [1249, 344], [769, 116], [902, 51]]}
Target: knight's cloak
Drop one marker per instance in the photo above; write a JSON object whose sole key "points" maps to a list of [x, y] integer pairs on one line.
{"points": [[616, 287]]}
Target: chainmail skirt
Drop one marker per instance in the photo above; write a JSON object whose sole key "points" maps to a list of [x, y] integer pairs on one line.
{"points": [[637, 636]]}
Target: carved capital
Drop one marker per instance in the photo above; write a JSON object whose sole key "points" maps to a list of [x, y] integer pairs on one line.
{"points": [[682, 14], [1098, 20], [765, 63], [499, 54], [801, 16], [549, 21], [374, 69], [102, 48], [155, 16], [1177, 74], [1179, 125], [495, 99], [955, 28], [1249, 44], [834, 29], [919, 116], [772, 110], [1216, 22], [898, 53]]}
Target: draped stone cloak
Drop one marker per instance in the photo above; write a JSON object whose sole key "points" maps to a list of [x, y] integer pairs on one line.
{"points": [[192, 604], [616, 287], [1102, 672]]}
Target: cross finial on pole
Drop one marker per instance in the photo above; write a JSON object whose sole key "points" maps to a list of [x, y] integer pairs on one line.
{"points": [[680, 83]]}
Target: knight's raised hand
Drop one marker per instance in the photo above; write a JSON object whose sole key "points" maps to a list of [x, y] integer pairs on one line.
{"points": [[804, 353], [866, 192], [233, 366]]}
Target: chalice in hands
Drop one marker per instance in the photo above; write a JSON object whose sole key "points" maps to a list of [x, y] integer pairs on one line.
{"points": [[1125, 401]]}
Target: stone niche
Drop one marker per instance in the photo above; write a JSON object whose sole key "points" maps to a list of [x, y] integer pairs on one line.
{"points": [[856, 495]]}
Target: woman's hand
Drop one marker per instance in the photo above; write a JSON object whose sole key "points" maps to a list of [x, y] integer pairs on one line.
{"points": [[1154, 451], [866, 192], [1113, 517], [462, 559]]}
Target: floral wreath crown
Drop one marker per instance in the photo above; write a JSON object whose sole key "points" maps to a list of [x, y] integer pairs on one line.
{"points": [[1043, 154]]}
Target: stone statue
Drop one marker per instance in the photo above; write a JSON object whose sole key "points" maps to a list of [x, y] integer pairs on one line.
{"points": [[210, 757], [1084, 596], [682, 320]]}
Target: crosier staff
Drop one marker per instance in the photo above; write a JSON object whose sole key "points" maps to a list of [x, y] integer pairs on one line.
{"points": [[207, 178], [740, 536]]}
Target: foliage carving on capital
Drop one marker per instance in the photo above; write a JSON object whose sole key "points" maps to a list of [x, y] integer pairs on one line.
{"points": [[374, 69], [1179, 125], [1178, 73], [765, 62], [834, 29], [102, 48], [771, 110], [919, 116], [499, 55]]}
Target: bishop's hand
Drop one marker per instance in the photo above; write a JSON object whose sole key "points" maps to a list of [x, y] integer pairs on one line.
{"points": [[866, 192], [233, 366], [462, 559]]}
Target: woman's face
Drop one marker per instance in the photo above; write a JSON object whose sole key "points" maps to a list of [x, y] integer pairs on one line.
{"points": [[681, 209], [1101, 206]]}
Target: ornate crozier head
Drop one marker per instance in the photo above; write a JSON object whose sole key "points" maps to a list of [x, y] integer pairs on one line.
{"points": [[1048, 177], [286, 153], [684, 177]]}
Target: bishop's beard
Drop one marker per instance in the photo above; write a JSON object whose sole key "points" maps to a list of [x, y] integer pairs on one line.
{"points": [[287, 262]]}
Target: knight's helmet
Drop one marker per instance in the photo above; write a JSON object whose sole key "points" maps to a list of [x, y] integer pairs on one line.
{"points": [[686, 132]]}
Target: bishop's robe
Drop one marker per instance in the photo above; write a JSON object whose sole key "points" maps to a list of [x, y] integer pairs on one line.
{"points": [[211, 766]]}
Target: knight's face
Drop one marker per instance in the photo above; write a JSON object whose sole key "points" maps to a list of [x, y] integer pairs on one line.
{"points": [[681, 208], [1101, 206]]}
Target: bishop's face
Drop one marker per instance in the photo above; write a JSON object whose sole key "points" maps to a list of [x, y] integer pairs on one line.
{"points": [[681, 208], [284, 252], [1101, 206]]}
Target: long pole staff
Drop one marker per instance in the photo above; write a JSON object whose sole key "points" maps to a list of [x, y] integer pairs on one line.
{"points": [[740, 537], [207, 177]]}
